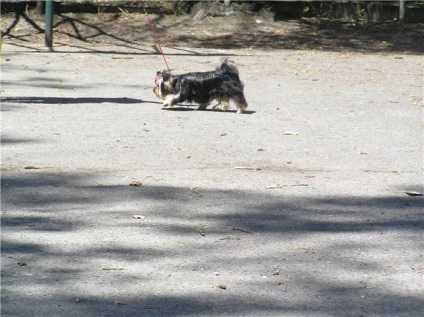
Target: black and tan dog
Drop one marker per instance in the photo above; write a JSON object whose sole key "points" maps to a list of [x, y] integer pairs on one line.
{"points": [[222, 85]]}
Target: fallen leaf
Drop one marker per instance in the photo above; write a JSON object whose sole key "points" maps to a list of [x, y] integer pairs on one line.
{"points": [[273, 186], [222, 286], [136, 183], [138, 217], [31, 167], [229, 238], [276, 273], [414, 194], [223, 134], [291, 133], [241, 230], [112, 269]]}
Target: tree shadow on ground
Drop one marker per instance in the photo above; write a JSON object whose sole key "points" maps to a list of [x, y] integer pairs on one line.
{"points": [[79, 246], [320, 35], [67, 100], [8, 140]]}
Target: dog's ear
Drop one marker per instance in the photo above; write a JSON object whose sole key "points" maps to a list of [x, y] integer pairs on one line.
{"points": [[166, 75]]}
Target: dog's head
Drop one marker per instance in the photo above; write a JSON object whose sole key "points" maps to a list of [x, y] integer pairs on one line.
{"points": [[163, 84]]}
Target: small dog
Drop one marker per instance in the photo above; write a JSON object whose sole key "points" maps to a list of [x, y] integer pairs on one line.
{"points": [[202, 88]]}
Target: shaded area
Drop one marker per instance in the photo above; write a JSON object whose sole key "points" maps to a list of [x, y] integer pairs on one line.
{"points": [[129, 31], [64, 100], [322, 35], [193, 107], [8, 140], [309, 240], [262, 213], [37, 81], [40, 84], [38, 223]]}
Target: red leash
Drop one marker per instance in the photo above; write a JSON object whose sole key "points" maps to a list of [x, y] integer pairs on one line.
{"points": [[155, 36]]}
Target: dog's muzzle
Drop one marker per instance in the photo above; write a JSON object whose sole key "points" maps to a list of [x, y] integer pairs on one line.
{"points": [[156, 92]]}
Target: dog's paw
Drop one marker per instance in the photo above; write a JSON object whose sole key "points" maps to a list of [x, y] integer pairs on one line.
{"points": [[241, 107], [218, 106], [168, 102], [203, 106], [221, 106]]}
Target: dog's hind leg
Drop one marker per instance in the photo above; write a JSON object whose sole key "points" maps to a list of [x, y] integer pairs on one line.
{"points": [[241, 104], [223, 104], [240, 107], [203, 106]]}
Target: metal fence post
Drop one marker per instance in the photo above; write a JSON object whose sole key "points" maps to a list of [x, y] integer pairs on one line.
{"points": [[49, 23], [401, 10]]}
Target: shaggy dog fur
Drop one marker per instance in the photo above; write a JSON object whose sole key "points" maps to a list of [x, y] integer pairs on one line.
{"points": [[223, 85]]}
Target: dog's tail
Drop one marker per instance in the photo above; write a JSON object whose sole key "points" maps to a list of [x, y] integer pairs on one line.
{"points": [[228, 67]]}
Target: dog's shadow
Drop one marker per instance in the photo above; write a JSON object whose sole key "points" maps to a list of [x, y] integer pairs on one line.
{"points": [[188, 108]]}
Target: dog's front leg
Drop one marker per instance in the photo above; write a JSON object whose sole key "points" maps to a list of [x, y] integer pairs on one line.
{"points": [[172, 100], [169, 101]]}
